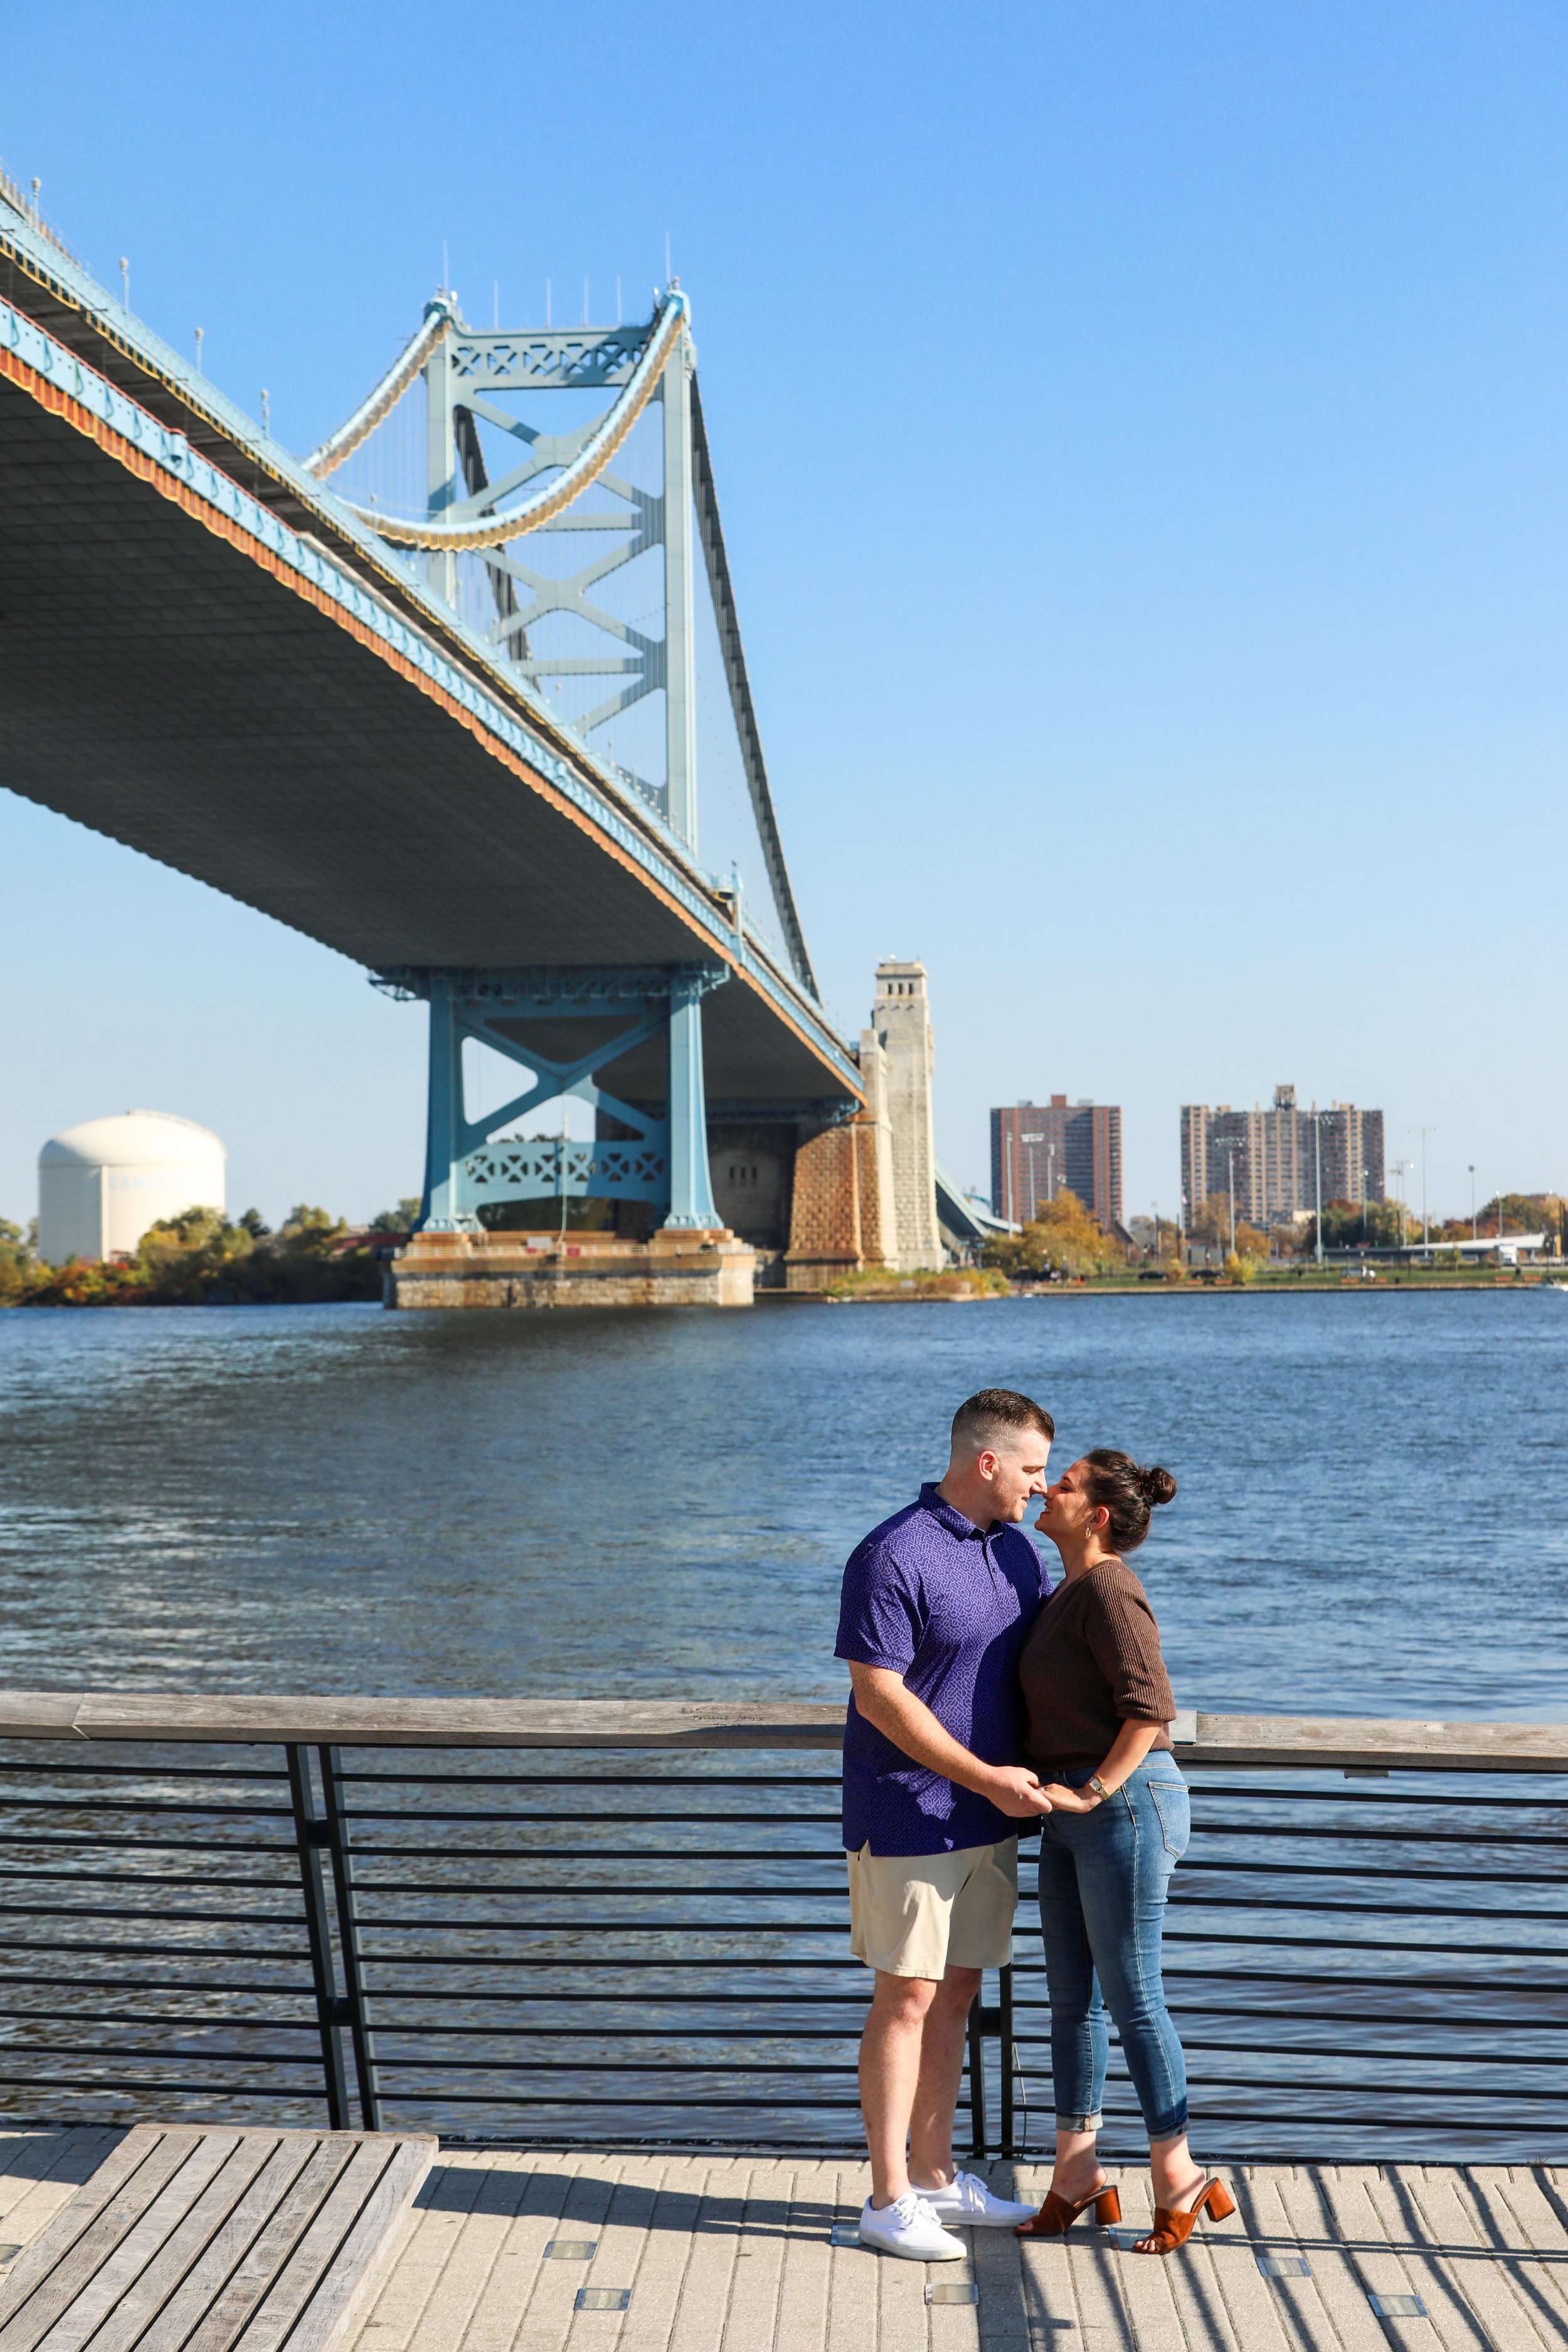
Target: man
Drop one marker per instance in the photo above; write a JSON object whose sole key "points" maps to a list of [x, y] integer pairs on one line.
{"points": [[936, 1603]]}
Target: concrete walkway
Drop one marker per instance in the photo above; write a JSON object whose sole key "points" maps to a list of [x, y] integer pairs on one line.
{"points": [[733, 2254]]}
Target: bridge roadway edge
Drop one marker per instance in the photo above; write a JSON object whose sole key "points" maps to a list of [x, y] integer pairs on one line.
{"points": [[63, 385]]}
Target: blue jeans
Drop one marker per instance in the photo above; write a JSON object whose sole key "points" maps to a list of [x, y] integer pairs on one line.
{"points": [[1103, 1881]]}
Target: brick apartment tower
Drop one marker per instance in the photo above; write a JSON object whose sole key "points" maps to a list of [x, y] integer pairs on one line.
{"points": [[1039, 1149]]}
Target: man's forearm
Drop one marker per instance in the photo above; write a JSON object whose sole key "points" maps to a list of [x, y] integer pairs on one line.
{"points": [[909, 1722]]}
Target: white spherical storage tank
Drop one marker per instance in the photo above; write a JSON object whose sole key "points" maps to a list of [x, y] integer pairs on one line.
{"points": [[101, 1184]]}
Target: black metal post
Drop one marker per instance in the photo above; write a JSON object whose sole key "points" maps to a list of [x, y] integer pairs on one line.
{"points": [[976, 2077], [348, 1940], [1009, 2058], [311, 1835]]}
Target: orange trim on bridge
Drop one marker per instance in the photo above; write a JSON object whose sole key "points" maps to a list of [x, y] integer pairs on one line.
{"points": [[147, 469]]}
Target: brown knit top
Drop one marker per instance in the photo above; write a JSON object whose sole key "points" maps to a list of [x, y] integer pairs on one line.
{"points": [[1092, 1663]]}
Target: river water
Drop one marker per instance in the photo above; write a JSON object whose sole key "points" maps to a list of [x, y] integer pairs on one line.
{"points": [[1372, 1520], [1373, 1516]]}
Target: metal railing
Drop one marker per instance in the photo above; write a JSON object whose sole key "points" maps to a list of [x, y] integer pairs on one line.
{"points": [[620, 1924]]}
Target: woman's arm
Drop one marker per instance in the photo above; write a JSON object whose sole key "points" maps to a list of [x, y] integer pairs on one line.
{"points": [[1127, 1750]]}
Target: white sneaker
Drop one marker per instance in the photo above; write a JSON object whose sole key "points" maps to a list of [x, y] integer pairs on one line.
{"points": [[967, 2204], [909, 2228]]}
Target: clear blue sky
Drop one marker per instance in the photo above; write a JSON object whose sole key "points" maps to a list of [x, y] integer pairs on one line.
{"points": [[1141, 435]]}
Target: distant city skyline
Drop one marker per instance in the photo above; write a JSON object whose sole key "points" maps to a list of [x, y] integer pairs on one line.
{"points": [[1278, 1161]]}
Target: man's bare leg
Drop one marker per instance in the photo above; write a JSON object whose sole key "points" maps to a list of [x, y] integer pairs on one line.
{"points": [[890, 2075], [912, 2062], [941, 2071]]}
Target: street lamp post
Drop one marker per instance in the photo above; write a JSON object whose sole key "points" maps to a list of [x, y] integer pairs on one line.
{"points": [[1424, 1132], [1318, 1175], [1230, 1149], [1475, 1235]]}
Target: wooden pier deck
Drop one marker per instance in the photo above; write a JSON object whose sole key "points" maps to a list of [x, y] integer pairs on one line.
{"points": [[532, 2251]]}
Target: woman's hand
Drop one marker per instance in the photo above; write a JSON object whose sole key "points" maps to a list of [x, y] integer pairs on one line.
{"points": [[1070, 1801]]}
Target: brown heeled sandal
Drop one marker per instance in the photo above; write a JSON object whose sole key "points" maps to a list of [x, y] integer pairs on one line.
{"points": [[1056, 2216], [1173, 2229]]}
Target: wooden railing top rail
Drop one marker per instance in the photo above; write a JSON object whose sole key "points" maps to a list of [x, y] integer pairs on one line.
{"points": [[607, 1723]]}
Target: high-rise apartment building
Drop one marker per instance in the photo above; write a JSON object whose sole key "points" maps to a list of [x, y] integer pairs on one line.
{"points": [[1039, 1149], [1272, 1156]]}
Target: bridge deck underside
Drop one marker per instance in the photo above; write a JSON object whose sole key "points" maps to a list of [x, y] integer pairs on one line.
{"points": [[165, 687]]}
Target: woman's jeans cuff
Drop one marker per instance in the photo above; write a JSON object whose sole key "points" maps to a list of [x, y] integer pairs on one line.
{"points": [[1169, 2126], [1080, 2123]]}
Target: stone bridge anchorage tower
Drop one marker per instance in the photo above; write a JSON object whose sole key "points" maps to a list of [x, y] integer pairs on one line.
{"points": [[865, 1188]]}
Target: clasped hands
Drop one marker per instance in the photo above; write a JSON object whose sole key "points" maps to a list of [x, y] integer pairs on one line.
{"points": [[1021, 1795]]}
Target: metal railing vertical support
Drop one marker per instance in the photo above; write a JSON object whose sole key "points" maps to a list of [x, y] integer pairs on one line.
{"points": [[1009, 2060], [976, 2077], [348, 1940], [311, 1835]]}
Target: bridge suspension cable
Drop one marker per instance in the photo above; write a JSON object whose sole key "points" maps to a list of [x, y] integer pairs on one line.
{"points": [[441, 318], [495, 529]]}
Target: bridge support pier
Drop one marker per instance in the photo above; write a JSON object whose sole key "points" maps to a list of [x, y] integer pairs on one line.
{"points": [[642, 1025]]}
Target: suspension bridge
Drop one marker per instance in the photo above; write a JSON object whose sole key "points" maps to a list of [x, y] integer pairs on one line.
{"points": [[437, 695]]}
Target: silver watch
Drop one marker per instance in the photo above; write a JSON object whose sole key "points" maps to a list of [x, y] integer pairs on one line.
{"points": [[1098, 1785]]}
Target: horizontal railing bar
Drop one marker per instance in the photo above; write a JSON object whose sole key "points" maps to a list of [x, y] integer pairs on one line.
{"points": [[193, 1952], [784, 1859], [1335, 2016], [586, 2098], [308, 2093], [177, 1984], [1275, 2049], [78, 2017], [146, 1845], [579, 1780], [1379, 1910], [159, 1772], [1336, 1943], [23, 1877], [1361, 1797], [171, 2056], [9, 1805]]}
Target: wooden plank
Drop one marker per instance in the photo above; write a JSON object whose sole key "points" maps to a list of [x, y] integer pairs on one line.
{"points": [[1201, 1738], [132, 2286], [338, 2227], [33, 2266], [205, 2280], [1303, 1740], [463, 1722], [69, 2251], [38, 1715], [359, 2261], [271, 2250]]}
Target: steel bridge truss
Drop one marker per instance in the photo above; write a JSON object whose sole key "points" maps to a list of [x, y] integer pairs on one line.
{"points": [[660, 1161], [467, 373]]}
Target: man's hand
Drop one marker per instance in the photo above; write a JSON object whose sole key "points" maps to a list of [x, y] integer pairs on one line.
{"points": [[880, 1697], [1015, 1790]]}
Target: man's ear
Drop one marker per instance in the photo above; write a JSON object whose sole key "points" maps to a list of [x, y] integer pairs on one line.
{"points": [[987, 1462]]}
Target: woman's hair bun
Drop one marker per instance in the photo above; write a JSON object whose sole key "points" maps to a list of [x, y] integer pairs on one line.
{"points": [[1156, 1485]]}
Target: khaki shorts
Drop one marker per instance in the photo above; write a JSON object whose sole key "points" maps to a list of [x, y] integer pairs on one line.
{"points": [[918, 1914]]}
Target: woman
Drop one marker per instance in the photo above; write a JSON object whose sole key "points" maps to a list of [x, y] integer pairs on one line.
{"points": [[1098, 1701]]}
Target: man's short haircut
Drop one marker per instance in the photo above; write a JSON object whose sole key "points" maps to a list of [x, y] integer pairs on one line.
{"points": [[990, 1416]]}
